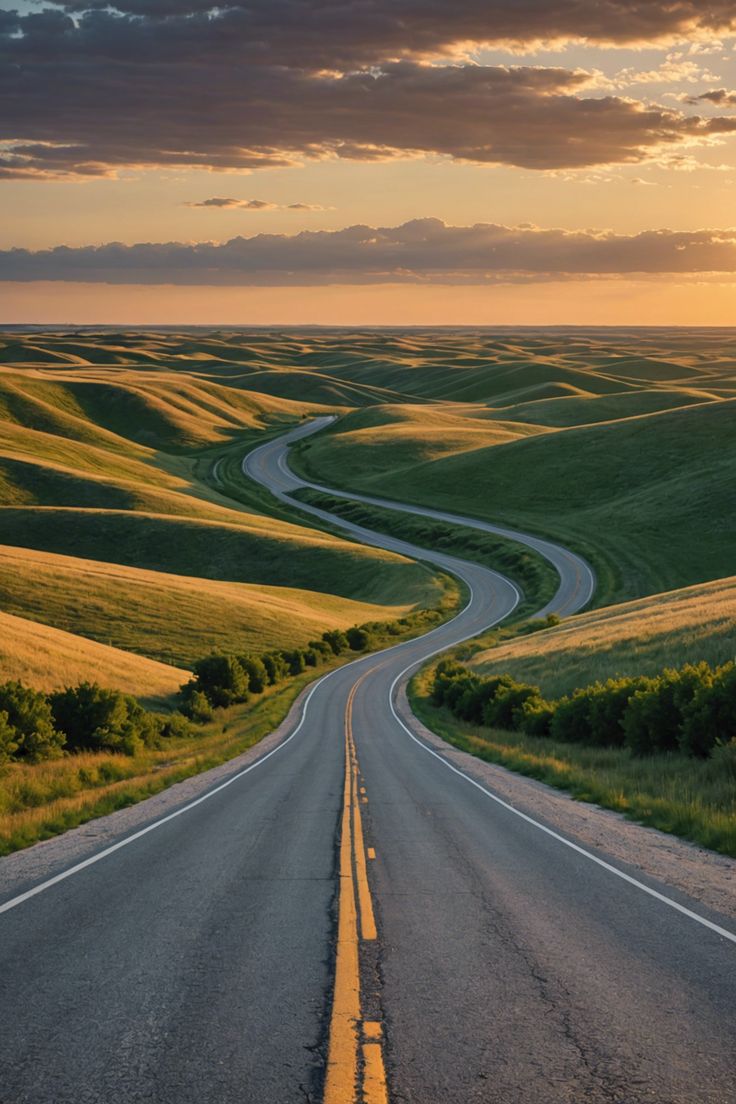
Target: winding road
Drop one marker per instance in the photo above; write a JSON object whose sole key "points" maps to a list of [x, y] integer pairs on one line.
{"points": [[349, 917]]}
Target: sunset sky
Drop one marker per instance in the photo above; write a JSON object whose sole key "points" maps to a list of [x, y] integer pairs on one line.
{"points": [[368, 161]]}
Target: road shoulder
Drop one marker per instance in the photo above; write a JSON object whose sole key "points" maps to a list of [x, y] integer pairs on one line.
{"points": [[702, 875]]}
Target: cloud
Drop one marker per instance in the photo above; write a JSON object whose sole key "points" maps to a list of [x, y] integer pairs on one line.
{"points": [[721, 97], [225, 203], [423, 251], [359, 32], [109, 93]]}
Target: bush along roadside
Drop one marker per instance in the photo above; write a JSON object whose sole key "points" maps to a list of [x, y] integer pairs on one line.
{"points": [[691, 710], [592, 757], [36, 726], [221, 680]]}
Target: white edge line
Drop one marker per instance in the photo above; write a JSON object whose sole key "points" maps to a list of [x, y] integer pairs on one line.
{"points": [[78, 867], [549, 831]]}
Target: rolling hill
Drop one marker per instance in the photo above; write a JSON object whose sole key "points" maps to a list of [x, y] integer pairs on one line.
{"points": [[633, 638]]}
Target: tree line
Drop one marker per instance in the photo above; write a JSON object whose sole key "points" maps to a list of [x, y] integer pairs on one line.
{"points": [[35, 725], [690, 710]]}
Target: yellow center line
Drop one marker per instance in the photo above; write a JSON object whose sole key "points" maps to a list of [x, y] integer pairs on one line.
{"points": [[344, 1052], [375, 1089]]}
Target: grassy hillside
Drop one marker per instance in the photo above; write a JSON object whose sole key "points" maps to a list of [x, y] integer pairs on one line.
{"points": [[649, 497], [169, 617], [634, 638], [49, 659], [113, 529]]}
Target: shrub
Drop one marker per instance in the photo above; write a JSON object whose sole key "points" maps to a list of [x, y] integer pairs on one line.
{"points": [[723, 760], [358, 638], [710, 714], [458, 687], [571, 720], [534, 716], [29, 715], [195, 703], [322, 648], [337, 640], [8, 739], [503, 710], [276, 666], [447, 670], [255, 669], [654, 713], [176, 726], [94, 718], [295, 662], [608, 705], [222, 679]]}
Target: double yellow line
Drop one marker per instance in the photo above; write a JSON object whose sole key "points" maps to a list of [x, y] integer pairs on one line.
{"points": [[355, 1066]]}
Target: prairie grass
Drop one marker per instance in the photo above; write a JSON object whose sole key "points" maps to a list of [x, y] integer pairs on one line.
{"points": [[693, 799], [50, 659], [535, 575], [177, 619], [41, 800], [633, 638], [647, 497]]}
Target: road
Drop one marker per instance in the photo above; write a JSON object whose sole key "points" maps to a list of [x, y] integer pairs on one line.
{"points": [[228, 952]]}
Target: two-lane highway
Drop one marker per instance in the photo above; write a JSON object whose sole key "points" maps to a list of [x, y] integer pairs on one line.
{"points": [[223, 955]]}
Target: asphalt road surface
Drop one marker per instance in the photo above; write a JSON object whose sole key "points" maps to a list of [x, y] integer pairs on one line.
{"points": [[354, 919]]}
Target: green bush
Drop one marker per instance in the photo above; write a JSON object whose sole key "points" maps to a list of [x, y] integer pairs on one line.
{"points": [[655, 711], [692, 709], [359, 639], [571, 720], [195, 703], [255, 669], [609, 703], [503, 709], [222, 679], [295, 662], [29, 715], [94, 718], [8, 739], [723, 760], [337, 640], [535, 716], [710, 714], [276, 666], [176, 726]]}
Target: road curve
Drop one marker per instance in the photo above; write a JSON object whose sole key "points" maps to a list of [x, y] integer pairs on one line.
{"points": [[269, 466], [217, 957]]}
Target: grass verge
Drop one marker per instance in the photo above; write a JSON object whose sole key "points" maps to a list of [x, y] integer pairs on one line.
{"points": [[674, 793]]}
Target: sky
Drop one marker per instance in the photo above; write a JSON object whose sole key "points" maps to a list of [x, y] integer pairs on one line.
{"points": [[368, 162]]}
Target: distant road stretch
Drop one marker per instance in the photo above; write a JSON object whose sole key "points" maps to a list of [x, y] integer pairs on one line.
{"points": [[352, 919]]}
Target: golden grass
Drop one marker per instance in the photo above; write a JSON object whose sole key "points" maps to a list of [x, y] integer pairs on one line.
{"points": [[171, 617], [49, 659], [633, 638]]}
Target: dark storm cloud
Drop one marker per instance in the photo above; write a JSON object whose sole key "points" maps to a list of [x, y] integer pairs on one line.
{"points": [[266, 83], [423, 251], [340, 32]]}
